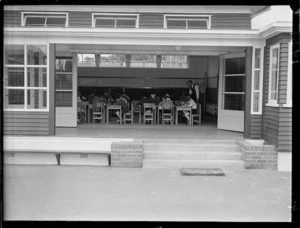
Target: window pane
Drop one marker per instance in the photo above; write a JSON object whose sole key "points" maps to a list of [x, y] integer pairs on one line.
{"points": [[257, 58], [14, 76], [176, 24], [63, 65], [108, 23], [256, 79], [255, 101], [174, 61], [235, 66], [275, 58], [234, 101], [274, 80], [143, 60], [52, 21], [63, 81], [37, 99], [37, 77], [86, 60], [112, 60], [197, 24], [63, 99], [14, 54], [35, 21], [273, 95], [125, 23], [14, 98], [234, 84], [37, 55]]}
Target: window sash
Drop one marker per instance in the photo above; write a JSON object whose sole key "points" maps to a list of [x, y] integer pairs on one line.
{"points": [[45, 17], [257, 81], [187, 19], [273, 78], [289, 101], [115, 18], [26, 88]]}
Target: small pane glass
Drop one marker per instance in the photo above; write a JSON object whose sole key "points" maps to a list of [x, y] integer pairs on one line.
{"points": [[106, 23], [125, 23], [35, 21], [174, 61], [273, 95], [14, 54], [275, 58], [14, 98], [37, 55], [197, 24], [234, 102], [56, 21], [257, 58], [37, 77], [235, 66], [256, 79], [274, 80], [234, 84], [86, 60], [255, 101], [36, 98], [143, 61], [63, 65], [14, 76], [63, 81], [176, 24], [63, 98], [112, 60]]}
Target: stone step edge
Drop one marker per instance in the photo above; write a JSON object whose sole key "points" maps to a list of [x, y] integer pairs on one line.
{"points": [[190, 161]]}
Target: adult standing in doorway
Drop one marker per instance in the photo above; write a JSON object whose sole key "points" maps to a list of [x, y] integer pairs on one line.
{"points": [[194, 90]]}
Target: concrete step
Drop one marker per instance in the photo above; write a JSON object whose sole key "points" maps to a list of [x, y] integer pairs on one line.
{"points": [[186, 155], [232, 165], [190, 141], [190, 147]]}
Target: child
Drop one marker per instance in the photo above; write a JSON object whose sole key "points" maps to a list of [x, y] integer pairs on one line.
{"points": [[124, 106]]}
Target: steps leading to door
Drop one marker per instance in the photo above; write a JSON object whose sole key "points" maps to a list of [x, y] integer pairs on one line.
{"points": [[183, 153]]}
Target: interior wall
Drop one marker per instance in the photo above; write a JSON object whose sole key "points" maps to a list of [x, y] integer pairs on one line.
{"points": [[212, 80]]}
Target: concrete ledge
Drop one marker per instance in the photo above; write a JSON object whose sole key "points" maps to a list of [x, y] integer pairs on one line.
{"points": [[29, 158], [258, 156], [127, 154], [84, 159]]}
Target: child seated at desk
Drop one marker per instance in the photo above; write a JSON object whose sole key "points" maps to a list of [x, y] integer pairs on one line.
{"points": [[124, 106], [189, 102], [167, 103]]}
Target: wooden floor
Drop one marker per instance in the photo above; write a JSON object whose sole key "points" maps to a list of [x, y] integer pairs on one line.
{"points": [[208, 130]]}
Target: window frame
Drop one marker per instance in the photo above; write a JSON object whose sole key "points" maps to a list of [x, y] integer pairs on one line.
{"points": [[43, 14], [114, 16], [186, 18], [271, 102], [289, 92], [260, 90], [26, 88], [187, 62], [155, 66], [112, 66]]}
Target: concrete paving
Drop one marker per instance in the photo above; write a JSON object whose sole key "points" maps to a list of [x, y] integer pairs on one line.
{"points": [[136, 194]]}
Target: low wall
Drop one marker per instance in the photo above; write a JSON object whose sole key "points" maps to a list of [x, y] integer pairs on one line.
{"points": [[258, 156], [127, 154]]}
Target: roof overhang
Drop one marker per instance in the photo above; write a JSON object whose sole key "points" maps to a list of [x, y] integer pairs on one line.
{"points": [[275, 28], [134, 37]]}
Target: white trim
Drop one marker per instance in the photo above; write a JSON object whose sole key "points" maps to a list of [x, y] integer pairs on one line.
{"points": [[275, 28], [233, 55], [270, 101], [115, 16], [43, 14], [136, 8], [289, 101], [260, 90]]}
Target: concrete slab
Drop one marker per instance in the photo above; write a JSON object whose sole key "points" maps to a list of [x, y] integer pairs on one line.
{"points": [[91, 193]]}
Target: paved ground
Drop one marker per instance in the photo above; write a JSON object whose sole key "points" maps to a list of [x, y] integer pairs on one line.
{"points": [[113, 194]]}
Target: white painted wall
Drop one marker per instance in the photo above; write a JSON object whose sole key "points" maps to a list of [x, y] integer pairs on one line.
{"points": [[275, 14]]}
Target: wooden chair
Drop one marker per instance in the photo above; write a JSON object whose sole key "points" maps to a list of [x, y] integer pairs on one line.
{"points": [[136, 109], [129, 115], [98, 112], [81, 112], [168, 115], [196, 118], [149, 112]]}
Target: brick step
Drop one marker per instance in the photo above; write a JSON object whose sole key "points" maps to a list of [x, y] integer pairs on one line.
{"points": [[190, 147], [186, 155], [230, 165], [190, 141]]}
